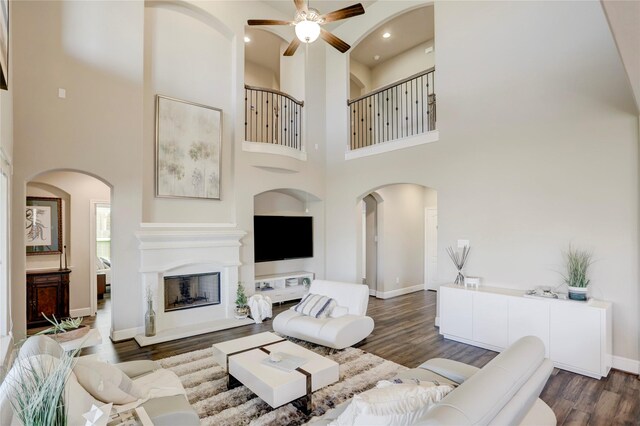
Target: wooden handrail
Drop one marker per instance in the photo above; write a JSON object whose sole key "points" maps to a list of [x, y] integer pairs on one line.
{"points": [[277, 92], [389, 86]]}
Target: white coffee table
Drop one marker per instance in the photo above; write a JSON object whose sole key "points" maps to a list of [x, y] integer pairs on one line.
{"points": [[222, 351], [274, 386]]}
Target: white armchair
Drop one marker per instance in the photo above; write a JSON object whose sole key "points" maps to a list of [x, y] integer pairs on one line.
{"points": [[337, 331]]}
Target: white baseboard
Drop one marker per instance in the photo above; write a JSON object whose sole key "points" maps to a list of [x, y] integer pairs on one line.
{"points": [[127, 333], [399, 292], [437, 321], [626, 364], [372, 292], [82, 312]]}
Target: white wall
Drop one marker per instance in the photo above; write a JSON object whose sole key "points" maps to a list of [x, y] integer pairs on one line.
{"points": [[363, 74], [401, 66], [202, 73], [430, 198], [95, 51], [537, 150], [259, 76], [77, 191], [292, 79]]}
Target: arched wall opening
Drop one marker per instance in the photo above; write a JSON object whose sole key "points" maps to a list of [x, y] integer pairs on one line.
{"points": [[262, 63], [397, 252], [84, 222], [408, 49], [298, 203]]}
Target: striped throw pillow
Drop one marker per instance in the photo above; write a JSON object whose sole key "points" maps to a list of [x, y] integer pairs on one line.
{"points": [[315, 305]]}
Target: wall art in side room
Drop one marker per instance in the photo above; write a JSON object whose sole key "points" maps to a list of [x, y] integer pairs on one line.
{"points": [[43, 225]]}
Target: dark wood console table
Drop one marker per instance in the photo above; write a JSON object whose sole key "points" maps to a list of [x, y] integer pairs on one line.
{"points": [[48, 292]]}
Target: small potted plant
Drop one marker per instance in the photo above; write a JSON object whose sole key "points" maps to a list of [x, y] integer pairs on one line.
{"points": [[242, 310], [578, 262], [65, 330]]}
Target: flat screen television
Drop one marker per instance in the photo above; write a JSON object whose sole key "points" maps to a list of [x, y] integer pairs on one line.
{"points": [[282, 237]]}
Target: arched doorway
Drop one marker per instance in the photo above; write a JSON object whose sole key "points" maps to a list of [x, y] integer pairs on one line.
{"points": [[72, 246], [370, 243], [398, 249]]}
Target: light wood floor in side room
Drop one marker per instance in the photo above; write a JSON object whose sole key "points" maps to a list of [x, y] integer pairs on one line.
{"points": [[405, 333]]}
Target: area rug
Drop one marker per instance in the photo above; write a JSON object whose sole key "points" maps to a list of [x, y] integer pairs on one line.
{"points": [[206, 386]]}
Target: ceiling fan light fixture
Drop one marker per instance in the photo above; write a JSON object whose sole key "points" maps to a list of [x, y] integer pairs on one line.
{"points": [[307, 31]]}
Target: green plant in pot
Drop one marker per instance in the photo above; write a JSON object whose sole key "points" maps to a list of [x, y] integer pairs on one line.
{"points": [[242, 309], [578, 262]]}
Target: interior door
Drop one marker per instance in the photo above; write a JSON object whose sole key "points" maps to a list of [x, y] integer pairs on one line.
{"points": [[371, 255], [431, 239]]}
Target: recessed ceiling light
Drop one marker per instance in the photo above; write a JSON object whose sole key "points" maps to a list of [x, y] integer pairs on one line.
{"points": [[386, 35], [376, 57], [247, 39]]}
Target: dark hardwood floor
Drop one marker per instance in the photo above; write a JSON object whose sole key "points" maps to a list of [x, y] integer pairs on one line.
{"points": [[405, 333]]}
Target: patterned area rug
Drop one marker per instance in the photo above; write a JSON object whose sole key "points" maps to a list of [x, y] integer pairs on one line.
{"points": [[206, 386]]}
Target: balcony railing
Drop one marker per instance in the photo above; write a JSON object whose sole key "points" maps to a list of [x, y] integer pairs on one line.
{"points": [[272, 117], [399, 110]]}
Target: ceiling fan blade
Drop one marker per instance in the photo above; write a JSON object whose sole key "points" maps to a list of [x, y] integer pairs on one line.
{"points": [[347, 12], [292, 47], [334, 41], [301, 5], [268, 22]]}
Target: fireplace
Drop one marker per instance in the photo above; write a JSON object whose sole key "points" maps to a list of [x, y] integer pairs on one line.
{"points": [[191, 291], [205, 259]]}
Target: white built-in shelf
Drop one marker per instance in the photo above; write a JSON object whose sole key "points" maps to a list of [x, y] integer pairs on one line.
{"points": [[283, 287]]}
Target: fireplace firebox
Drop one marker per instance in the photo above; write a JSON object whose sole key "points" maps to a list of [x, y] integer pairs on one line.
{"points": [[191, 291]]}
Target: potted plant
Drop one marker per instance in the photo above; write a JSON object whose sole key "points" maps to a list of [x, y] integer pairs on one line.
{"points": [[36, 388], [65, 330], [242, 310], [578, 262]]}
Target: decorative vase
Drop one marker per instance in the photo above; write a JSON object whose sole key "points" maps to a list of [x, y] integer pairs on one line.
{"points": [[150, 320], [578, 293], [242, 312]]}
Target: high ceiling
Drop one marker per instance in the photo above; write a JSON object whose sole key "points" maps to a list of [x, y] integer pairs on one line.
{"points": [[407, 30], [324, 6]]}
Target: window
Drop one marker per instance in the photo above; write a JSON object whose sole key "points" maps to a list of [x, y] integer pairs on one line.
{"points": [[103, 231]]}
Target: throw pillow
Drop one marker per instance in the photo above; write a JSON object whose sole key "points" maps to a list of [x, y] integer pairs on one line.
{"points": [[106, 382], [392, 404], [315, 305]]}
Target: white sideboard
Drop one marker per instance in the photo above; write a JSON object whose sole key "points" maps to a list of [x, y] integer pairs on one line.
{"points": [[577, 335], [283, 287]]}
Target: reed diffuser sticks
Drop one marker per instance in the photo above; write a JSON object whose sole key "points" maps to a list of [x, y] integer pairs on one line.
{"points": [[459, 260]]}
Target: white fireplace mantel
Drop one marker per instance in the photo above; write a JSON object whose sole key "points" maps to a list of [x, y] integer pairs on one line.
{"points": [[166, 251]]}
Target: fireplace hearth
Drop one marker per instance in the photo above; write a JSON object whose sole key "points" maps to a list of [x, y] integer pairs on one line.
{"points": [[191, 291]]}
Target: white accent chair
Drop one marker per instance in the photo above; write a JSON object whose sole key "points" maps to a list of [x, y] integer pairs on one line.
{"points": [[337, 333]]}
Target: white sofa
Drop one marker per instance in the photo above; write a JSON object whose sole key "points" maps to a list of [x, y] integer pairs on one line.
{"points": [[337, 333], [504, 392]]}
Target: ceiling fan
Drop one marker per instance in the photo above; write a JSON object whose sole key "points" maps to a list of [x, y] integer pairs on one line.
{"points": [[307, 24]]}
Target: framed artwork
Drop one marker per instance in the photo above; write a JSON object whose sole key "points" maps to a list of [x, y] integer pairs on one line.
{"points": [[188, 141], [4, 44], [43, 225]]}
